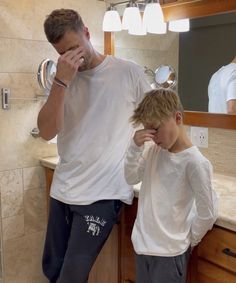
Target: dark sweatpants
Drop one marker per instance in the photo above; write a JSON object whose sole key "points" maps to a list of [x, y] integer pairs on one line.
{"points": [[75, 236], [159, 269]]}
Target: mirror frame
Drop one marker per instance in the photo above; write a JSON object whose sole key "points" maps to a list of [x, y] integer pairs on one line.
{"points": [[191, 9]]}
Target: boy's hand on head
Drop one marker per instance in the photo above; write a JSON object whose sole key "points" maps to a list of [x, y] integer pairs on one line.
{"points": [[142, 136]]}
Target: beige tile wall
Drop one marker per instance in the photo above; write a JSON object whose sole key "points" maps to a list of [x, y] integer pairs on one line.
{"points": [[221, 150], [22, 184]]}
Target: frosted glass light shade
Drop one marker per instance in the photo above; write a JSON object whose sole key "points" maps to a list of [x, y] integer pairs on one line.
{"points": [[138, 29], [153, 18], [111, 21], [159, 28], [131, 17], [179, 25]]}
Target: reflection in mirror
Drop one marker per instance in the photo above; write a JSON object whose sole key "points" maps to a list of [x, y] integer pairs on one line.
{"points": [[222, 90], [210, 44], [46, 74], [165, 76]]}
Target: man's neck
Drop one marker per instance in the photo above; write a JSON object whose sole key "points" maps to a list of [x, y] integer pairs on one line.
{"points": [[97, 59], [234, 60]]}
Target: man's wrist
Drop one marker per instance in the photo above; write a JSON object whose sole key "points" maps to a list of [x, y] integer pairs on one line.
{"points": [[60, 82]]}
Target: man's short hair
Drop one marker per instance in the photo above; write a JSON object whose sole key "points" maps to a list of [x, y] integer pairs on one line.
{"points": [[59, 22], [157, 105]]}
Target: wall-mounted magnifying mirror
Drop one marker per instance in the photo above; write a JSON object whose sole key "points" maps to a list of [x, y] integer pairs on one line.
{"points": [[165, 76], [46, 74]]}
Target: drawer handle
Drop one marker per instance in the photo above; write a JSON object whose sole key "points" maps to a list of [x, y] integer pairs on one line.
{"points": [[229, 252]]}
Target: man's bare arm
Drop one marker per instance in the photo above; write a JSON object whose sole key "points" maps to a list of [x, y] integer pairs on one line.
{"points": [[231, 106], [51, 116]]}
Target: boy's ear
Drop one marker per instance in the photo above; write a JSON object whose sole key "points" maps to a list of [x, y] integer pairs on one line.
{"points": [[178, 117]]}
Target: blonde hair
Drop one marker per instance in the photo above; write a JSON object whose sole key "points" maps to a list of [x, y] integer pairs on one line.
{"points": [[157, 105]]}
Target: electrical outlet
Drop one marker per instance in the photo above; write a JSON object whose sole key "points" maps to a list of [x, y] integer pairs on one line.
{"points": [[199, 136]]}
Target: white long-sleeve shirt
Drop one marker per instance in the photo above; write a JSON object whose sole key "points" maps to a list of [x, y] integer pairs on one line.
{"points": [[176, 205]]}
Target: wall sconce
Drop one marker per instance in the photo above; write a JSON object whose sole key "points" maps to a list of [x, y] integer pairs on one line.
{"points": [[151, 22]]}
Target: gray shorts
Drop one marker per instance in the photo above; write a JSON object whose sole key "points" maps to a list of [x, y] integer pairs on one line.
{"points": [[159, 269]]}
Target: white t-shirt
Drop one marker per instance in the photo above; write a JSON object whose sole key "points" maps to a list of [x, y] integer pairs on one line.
{"points": [[96, 133], [222, 88], [176, 204]]}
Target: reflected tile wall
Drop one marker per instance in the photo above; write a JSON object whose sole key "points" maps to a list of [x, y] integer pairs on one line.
{"points": [[151, 51]]}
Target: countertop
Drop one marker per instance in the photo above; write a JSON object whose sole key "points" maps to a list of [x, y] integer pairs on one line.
{"points": [[225, 187]]}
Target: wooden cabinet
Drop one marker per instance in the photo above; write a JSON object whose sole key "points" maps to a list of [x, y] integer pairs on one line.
{"points": [[214, 260], [105, 269], [127, 260]]}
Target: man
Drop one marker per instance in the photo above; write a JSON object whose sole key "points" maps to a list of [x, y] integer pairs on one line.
{"points": [[222, 90], [90, 102]]}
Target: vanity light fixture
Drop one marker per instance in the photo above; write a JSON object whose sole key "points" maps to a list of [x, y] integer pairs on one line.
{"points": [[151, 22], [179, 25]]}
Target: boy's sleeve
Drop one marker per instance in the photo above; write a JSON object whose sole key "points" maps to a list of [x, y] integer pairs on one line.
{"points": [[134, 164], [205, 201]]}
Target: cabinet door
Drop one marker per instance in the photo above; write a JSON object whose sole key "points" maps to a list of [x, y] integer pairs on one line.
{"points": [[210, 273], [127, 260], [219, 247], [105, 269], [214, 259]]}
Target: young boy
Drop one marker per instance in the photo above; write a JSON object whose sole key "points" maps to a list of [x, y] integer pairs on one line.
{"points": [[176, 205]]}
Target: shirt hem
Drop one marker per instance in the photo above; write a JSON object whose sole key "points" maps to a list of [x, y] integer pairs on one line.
{"points": [[87, 202], [163, 254]]}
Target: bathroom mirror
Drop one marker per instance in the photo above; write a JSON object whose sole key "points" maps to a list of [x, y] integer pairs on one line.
{"points": [[209, 45], [46, 74], [165, 76], [191, 10]]}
